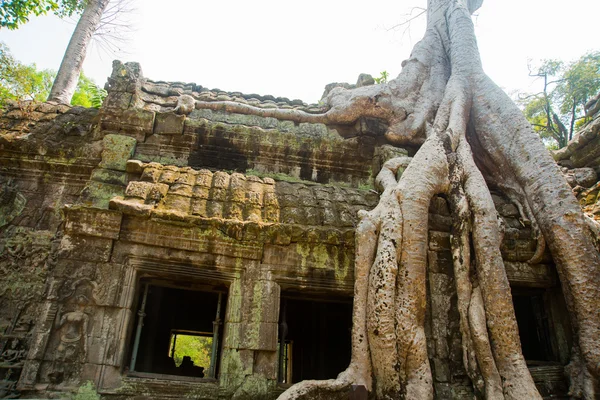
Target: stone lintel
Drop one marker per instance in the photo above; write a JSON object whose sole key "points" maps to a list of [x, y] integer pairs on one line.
{"points": [[530, 275], [207, 238]]}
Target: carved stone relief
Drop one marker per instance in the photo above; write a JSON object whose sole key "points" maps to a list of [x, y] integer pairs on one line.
{"points": [[69, 343]]}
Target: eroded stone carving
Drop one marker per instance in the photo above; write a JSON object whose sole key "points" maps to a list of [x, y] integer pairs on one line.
{"points": [[71, 329]]}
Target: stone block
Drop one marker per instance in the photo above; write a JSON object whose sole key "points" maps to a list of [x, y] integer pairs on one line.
{"points": [[93, 222], [169, 124], [120, 100], [270, 214], [198, 207], [585, 177], [139, 190], [439, 241], [109, 278], [85, 248], [117, 150], [109, 176], [266, 364], [151, 174], [232, 337], [169, 175], [584, 156], [260, 336], [439, 206], [133, 122], [131, 206], [125, 77], [96, 350], [233, 210], [204, 178], [439, 222], [440, 262], [99, 194], [441, 287], [111, 378], [181, 190], [214, 209], [177, 203], [187, 176], [90, 372], [292, 215], [266, 301]]}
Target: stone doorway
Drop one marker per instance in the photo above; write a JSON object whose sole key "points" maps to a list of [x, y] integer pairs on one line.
{"points": [[314, 337], [531, 312]]}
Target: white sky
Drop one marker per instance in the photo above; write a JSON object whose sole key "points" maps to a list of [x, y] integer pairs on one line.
{"points": [[294, 49]]}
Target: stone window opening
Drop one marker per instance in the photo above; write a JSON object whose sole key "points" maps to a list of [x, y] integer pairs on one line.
{"points": [[314, 340], [178, 331]]}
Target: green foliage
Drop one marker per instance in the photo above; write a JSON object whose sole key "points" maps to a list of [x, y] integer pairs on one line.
{"points": [[197, 347], [88, 94], [87, 391], [580, 82], [14, 13], [25, 82], [558, 110], [383, 77], [22, 82]]}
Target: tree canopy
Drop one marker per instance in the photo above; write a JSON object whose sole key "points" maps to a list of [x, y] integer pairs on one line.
{"points": [[14, 13]]}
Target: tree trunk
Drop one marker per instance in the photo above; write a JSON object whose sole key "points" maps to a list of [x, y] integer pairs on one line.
{"points": [[68, 74], [470, 135]]}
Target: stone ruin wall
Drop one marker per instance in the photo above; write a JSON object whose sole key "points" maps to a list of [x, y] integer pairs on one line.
{"points": [[95, 200]]}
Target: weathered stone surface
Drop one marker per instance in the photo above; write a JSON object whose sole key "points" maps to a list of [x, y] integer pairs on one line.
{"points": [[117, 150], [93, 222], [248, 206], [585, 177], [109, 176], [132, 122], [85, 248], [168, 124]]}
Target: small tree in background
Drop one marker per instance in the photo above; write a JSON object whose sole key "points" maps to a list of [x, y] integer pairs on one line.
{"points": [[558, 110]]}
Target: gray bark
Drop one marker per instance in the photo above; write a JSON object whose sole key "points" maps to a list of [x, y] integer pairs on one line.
{"points": [[66, 79]]}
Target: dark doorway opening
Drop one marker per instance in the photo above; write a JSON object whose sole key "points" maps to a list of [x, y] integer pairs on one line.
{"points": [[532, 319], [314, 338], [178, 331]]}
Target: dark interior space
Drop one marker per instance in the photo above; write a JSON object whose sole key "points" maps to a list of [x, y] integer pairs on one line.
{"points": [[171, 313], [533, 326], [317, 336]]}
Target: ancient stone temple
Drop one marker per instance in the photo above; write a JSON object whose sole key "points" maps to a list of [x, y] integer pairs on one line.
{"points": [[130, 230]]}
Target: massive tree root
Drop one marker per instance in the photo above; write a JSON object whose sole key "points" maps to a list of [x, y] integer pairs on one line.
{"points": [[471, 136]]}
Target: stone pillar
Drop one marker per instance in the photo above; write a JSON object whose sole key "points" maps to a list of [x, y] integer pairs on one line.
{"points": [[249, 361]]}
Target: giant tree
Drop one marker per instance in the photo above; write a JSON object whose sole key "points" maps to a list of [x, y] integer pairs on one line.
{"points": [[471, 137], [72, 62]]}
